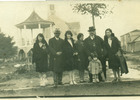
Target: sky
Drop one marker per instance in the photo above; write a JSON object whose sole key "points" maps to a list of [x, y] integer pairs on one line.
{"points": [[125, 17]]}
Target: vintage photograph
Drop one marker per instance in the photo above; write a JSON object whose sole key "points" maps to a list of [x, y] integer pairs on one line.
{"points": [[69, 48]]}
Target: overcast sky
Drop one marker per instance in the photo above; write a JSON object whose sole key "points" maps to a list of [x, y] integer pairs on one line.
{"points": [[125, 17]]}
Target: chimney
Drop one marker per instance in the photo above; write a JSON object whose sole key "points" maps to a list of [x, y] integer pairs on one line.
{"points": [[52, 9]]}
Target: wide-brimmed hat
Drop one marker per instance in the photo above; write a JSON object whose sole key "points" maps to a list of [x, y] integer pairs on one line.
{"points": [[91, 29]]}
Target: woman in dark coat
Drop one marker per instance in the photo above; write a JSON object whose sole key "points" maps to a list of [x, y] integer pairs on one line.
{"points": [[112, 47], [69, 56], [40, 57], [81, 56]]}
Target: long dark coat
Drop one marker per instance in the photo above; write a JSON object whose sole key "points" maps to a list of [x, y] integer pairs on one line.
{"points": [[114, 62], [56, 62], [95, 45], [40, 57], [81, 55], [69, 58]]}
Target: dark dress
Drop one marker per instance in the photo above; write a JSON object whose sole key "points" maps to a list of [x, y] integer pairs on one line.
{"points": [[114, 62], [69, 58], [40, 57], [81, 55], [56, 62]]}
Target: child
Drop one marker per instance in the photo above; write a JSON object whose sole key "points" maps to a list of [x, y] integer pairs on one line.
{"points": [[95, 67]]}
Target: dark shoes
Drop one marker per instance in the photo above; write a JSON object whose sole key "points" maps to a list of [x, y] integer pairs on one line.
{"points": [[55, 86], [82, 81], [117, 80], [60, 83]]}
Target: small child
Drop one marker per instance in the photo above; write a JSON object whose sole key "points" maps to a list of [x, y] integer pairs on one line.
{"points": [[95, 67]]}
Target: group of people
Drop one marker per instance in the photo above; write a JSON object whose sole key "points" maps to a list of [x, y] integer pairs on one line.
{"points": [[69, 55]]}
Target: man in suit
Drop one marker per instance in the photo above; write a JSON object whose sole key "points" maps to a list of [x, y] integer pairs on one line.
{"points": [[56, 57], [93, 44]]}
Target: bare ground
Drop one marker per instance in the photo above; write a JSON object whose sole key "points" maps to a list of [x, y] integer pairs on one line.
{"points": [[27, 84]]}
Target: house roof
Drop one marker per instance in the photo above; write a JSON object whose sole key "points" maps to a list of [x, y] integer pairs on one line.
{"points": [[136, 30], [64, 26], [74, 26], [33, 20], [59, 23]]}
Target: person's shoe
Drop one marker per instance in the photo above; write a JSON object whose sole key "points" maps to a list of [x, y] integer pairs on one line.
{"points": [[74, 82], [94, 81], [71, 83], [46, 81], [97, 80], [55, 86], [115, 80], [60, 83], [42, 83], [90, 81], [102, 81], [81, 81], [119, 80]]}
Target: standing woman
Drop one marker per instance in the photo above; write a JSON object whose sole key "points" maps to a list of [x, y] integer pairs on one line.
{"points": [[81, 56], [69, 56], [112, 46], [40, 57]]}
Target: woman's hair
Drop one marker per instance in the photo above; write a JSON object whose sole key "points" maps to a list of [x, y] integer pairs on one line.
{"points": [[112, 34], [68, 32], [108, 29], [41, 35], [79, 36]]}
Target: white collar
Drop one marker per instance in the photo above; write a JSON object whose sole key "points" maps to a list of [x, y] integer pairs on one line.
{"points": [[56, 38], [92, 37], [70, 42]]}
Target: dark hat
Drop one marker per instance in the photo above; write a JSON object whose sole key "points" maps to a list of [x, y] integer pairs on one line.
{"points": [[91, 29], [57, 30]]}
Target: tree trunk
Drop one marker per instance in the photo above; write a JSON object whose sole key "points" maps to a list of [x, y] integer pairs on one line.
{"points": [[93, 20]]}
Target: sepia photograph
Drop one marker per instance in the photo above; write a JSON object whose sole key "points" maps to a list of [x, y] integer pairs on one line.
{"points": [[69, 48]]}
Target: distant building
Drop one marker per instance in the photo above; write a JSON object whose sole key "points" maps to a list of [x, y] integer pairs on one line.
{"points": [[63, 25], [34, 23], [130, 42]]}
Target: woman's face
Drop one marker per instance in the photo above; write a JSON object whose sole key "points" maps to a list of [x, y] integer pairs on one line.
{"points": [[69, 36], [82, 37], [108, 33], [39, 38]]}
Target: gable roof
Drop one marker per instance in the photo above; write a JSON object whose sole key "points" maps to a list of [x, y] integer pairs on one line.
{"points": [[136, 30], [64, 26]]}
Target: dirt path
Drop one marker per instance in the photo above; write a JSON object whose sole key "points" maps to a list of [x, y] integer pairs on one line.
{"points": [[123, 88]]}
